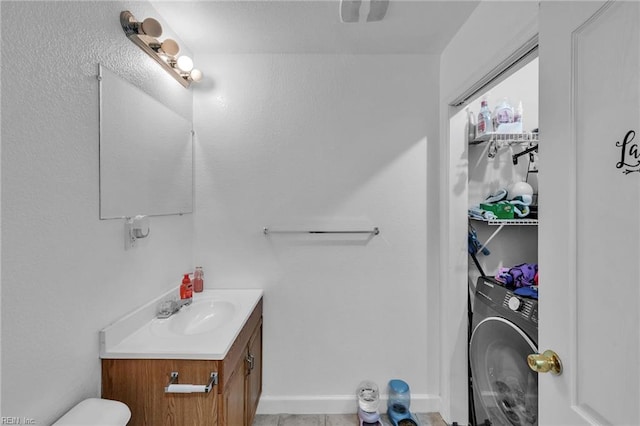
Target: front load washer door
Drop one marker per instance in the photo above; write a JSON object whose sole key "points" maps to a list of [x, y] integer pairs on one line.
{"points": [[505, 389]]}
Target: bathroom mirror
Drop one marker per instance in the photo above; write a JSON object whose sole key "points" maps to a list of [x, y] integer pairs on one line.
{"points": [[146, 153]]}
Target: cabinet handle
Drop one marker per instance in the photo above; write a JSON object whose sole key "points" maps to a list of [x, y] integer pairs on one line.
{"points": [[174, 387], [250, 361]]}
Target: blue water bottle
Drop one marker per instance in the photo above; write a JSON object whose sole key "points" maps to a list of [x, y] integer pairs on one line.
{"points": [[399, 402]]}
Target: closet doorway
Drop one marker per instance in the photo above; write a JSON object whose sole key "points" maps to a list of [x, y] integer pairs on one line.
{"points": [[496, 183]]}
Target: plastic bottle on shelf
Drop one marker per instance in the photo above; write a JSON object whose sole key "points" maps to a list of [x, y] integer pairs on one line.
{"points": [[517, 118], [485, 124], [198, 280], [504, 113], [471, 125]]}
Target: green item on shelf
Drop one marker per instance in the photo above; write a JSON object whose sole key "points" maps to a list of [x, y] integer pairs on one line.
{"points": [[502, 210]]}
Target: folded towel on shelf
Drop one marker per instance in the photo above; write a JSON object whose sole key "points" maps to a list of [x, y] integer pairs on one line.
{"points": [[481, 214], [520, 209], [499, 206], [499, 195]]}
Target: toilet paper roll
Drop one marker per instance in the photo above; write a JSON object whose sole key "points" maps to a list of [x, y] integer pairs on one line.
{"points": [[186, 389]]}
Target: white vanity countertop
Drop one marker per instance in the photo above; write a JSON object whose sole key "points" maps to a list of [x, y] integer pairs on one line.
{"points": [[213, 321]]}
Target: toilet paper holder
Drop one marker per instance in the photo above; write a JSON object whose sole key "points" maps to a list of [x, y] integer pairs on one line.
{"points": [[174, 387]]}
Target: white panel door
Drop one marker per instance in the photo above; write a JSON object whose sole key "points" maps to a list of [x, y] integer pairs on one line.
{"points": [[589, 238]]}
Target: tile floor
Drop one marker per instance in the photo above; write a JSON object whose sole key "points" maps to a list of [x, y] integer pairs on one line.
{"points": [[426, 419]]}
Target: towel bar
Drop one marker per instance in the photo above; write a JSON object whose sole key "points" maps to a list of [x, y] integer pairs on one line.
{"points": [[374, 231], [174, 387]]}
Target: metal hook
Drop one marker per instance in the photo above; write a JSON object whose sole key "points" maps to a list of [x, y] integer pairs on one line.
{"points": [[493, 149], [525, 152]]}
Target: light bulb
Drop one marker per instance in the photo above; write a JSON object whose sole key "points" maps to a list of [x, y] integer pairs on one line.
{"points": [[196, 75], [185, 63], [170, 47], [151, 27]]}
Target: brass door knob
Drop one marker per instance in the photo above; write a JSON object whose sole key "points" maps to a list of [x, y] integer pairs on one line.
{"points": [[547, 362]]}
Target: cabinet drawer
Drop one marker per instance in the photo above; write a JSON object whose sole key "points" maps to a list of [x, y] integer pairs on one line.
{"points": [[140, 383]]}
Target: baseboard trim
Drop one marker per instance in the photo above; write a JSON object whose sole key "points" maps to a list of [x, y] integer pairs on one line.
{"points": [[336, 404]]}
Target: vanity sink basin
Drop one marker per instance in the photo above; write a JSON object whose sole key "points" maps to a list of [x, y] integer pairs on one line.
{"points": [[203, 330], [200, 317]]}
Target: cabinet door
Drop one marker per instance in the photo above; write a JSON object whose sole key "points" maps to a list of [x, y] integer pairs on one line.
{"points": [[254, 373], [140, 384], [233, 402]]}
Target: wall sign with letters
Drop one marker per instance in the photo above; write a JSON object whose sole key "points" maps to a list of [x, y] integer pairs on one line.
{"points": [[629, 154]]}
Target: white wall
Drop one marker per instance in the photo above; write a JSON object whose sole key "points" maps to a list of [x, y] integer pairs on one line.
{"points": [[329, 141], [65, 274], [492, 33]]}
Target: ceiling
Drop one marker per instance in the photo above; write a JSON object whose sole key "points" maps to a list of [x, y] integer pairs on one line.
{"points": [[309, 26]]}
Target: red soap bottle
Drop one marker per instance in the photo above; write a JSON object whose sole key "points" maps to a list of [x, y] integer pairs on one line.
{"points": [[186, 288]]}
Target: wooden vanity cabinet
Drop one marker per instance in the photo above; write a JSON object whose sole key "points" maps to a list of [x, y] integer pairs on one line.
{"points": [[253, 386], [140, 384], [241, 375]]}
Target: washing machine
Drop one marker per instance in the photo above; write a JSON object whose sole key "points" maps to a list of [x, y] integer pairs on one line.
{"points": [[504, 331]]}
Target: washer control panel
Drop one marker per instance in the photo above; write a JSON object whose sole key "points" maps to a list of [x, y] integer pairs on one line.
{"points": [[495, 295], [521, 305]]}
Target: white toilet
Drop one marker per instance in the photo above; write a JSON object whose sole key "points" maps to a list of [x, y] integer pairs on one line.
{"points": [[96, 412]]}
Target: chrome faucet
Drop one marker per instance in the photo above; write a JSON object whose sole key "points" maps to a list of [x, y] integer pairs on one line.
{"points": [[166, 308]]}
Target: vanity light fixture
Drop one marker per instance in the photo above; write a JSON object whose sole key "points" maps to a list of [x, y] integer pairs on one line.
{"points": [[145, 35]]}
